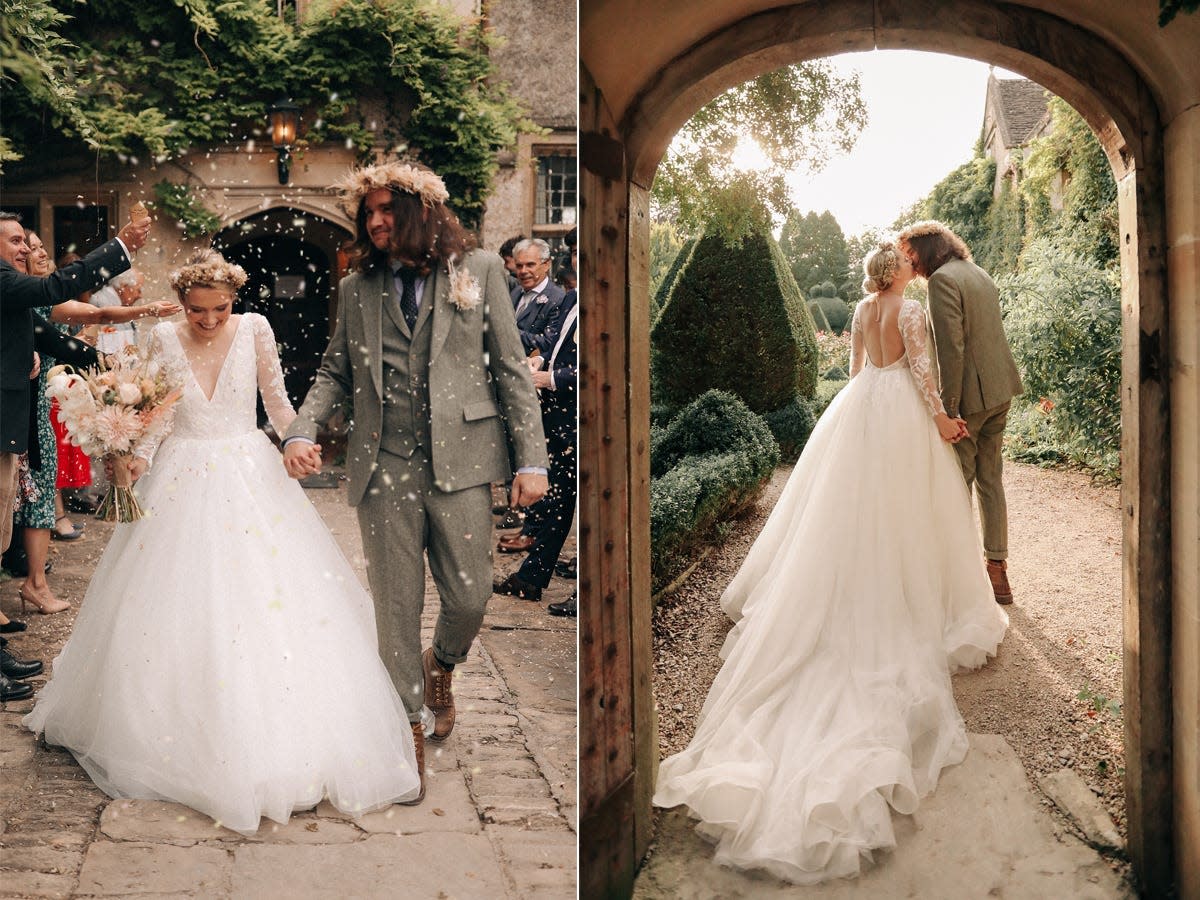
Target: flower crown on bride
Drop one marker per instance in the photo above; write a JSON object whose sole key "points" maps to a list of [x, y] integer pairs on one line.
{"points": [[207, 268], [394, 176]]}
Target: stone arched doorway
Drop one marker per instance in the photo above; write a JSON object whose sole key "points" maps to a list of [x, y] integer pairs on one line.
{"points": [[292, 258], [632, 105]]}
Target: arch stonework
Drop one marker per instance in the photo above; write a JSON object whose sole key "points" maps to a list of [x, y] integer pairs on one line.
{"points": [[1139, 89]]}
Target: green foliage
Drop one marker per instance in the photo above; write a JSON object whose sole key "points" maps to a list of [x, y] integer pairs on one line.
{"points": [[820, 323], [665, 243], [159, 78], [1071, 155], [827, 389], [714, 422], [816, 250], [799, 116], [1062, 315], [833, 308], [858, 247], [734, 321], [791, 427], [709, 464], [193, 217], [659, 294], [36, 60]]}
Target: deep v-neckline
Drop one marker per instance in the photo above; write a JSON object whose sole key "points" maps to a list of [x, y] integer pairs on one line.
{"points": [[237, 328]]}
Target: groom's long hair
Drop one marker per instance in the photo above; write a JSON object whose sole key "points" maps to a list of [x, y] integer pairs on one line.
{"points": [[934, 245], [424, 235]]}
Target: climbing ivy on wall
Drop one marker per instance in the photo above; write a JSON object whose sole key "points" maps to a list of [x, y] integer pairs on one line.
{"points": [[126, 79]]}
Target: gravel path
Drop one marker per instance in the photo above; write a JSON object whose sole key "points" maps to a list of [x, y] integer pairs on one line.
{"points": [[1064, 638]]}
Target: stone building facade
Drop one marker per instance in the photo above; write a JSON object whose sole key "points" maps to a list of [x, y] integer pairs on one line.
{"points": [[290, 237]]}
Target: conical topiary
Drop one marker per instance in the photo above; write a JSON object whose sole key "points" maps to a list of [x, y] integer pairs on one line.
{"points": [[659, 298], [735, 321]]}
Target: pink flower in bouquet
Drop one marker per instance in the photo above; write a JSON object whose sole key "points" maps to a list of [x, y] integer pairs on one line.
{"points": [[117, 427]]}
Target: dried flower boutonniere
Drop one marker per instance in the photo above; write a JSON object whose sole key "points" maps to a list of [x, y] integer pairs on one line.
{"points": [[465, 292]]}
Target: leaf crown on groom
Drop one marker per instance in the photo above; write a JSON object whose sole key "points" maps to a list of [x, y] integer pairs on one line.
{"points": [[425, 231]]}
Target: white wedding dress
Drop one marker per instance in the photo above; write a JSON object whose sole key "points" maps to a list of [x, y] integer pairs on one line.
{"points": [[864, 591], [225, 654]]}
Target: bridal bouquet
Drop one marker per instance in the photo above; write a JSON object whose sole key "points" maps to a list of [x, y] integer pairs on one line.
{"points": [[111, 409]]}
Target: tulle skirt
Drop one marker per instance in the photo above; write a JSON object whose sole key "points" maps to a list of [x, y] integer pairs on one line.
{"points": [[864, 591], [225, 654]]}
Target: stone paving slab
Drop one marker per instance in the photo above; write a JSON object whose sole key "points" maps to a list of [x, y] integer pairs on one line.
{"points": [[116, 869], [383, 866], [981, 834]]}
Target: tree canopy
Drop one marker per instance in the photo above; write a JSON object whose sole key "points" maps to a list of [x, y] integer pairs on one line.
{"points": [[815, 248], [800, 116], [115, 80]]}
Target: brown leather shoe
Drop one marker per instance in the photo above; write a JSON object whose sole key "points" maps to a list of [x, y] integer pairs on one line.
{"points": [[438, 696], [419, 746], [997, 571], [517, 543]]}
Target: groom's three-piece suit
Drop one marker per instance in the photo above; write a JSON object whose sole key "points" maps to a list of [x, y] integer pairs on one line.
{"points": [[435, 411], [979, 378]]}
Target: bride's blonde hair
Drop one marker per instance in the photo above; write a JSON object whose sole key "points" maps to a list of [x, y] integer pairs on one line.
{"points": [[207, 268], [880, 267]]}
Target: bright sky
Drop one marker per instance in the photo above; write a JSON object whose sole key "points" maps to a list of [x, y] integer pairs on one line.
{"points": [[909, 144]]}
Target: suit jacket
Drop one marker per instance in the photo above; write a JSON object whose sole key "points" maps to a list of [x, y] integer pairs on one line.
{"points": [[976, 366], [20, 294], [481, 396], [560, 406], [537, 317]]}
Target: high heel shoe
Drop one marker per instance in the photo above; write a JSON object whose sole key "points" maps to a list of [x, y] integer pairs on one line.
{"points": [[12, 626], [45, 606]]}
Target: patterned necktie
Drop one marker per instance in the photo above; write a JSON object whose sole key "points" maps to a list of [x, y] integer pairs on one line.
{"points": [[524, 302], [408, 295]]}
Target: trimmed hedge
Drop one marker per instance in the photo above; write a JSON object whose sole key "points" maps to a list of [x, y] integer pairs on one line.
{"points": [[834, 310], [826, 391], [659, 298], [735, 321], [708, 465], [791, 427]]}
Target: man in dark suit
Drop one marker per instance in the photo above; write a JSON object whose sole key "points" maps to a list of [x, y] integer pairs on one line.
{"points": [[557, 391], [536, 302], [22, 330]]}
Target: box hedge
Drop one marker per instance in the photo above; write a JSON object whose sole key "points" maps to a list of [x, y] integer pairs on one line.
{"points": [[709, 464]]}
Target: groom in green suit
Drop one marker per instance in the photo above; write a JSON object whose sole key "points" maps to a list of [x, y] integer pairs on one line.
{"points": [[979, 377], [428, 354]]}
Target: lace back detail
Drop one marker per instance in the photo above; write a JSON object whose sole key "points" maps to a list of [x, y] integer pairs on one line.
{"points": [[911, 321]]}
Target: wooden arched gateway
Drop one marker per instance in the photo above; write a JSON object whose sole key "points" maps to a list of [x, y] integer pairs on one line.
{"points": [[645, 69]]}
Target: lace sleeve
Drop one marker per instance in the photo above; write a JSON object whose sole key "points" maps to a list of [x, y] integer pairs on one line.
{"points": [[270, 376], [912, 330], [857, 351], [149, 443]]}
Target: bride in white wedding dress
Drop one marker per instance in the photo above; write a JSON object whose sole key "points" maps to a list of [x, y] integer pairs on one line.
{"points": [[225, 654], [865, 590]]}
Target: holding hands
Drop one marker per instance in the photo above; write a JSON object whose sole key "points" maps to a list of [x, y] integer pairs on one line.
{"points": [[951, 430], [302, 459]]}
